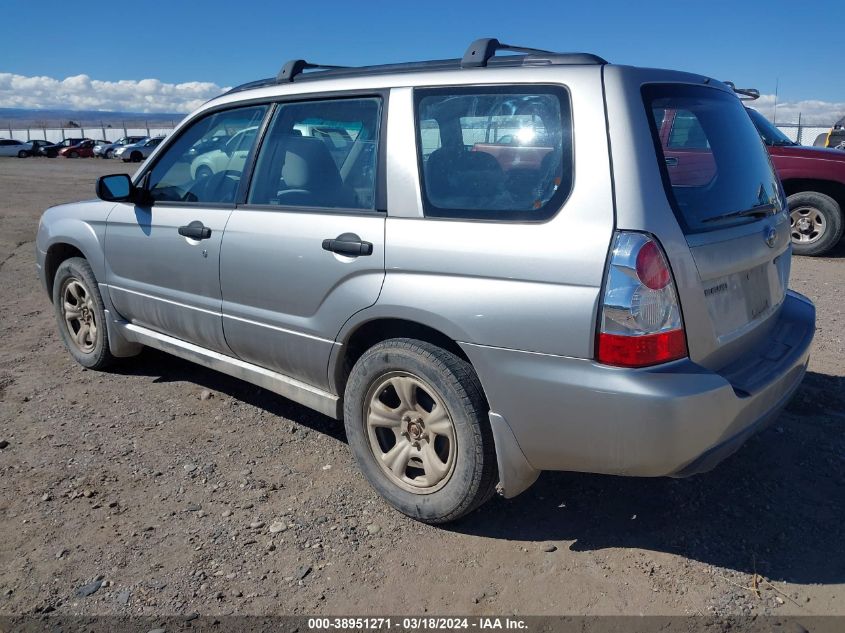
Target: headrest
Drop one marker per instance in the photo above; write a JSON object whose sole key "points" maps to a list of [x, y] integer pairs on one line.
{"points": [[308, 162]]}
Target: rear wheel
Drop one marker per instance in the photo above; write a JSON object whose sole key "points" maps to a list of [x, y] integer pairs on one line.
{"points": [[80, 314], [416, 421], [815, 222]]}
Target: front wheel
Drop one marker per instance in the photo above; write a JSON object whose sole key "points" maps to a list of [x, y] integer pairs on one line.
{"points": [[136, 157], [416, 420], [815, 222], [73, 155], [109, 154], [80, 314], [23, 153]]}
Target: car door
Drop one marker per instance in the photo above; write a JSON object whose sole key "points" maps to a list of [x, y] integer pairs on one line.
{"points": [[306, 250], [162, 258], [9, 148]]}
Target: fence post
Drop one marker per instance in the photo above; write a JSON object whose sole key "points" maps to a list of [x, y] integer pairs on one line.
{"points": [[799, 140]]}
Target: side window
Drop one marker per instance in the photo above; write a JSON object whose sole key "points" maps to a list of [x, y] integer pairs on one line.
{"points": [[687, 132], [495, 153], [320, 154], [195, 169]]}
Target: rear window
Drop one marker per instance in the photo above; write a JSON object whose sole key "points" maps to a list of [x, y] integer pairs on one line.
{"points": [[494, 152], [714, 164]]}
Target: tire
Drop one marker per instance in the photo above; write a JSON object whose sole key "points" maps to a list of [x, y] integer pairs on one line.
{"points": [[73, 155], [52, 154], [136, 157], [815, 223], [23, 153], [438, 476], [91, 351], [109, 154]]}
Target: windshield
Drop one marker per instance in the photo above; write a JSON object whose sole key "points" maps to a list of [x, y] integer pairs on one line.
{"points": [[711, 156], [771, 135]]}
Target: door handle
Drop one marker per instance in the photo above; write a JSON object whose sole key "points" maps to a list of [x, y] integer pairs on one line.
{"points": [[195, 230], [348, 244], [671, 161]]}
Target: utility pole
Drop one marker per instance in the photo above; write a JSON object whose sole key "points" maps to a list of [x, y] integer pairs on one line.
{"points": [[777, 86]]}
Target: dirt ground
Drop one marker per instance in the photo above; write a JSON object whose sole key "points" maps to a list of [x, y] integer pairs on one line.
{"points": [[132, 479]]}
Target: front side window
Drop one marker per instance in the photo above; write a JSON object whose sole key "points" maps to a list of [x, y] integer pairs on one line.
{"points": [[771, 135], [320, 154], [183, 174], [496, 153]]}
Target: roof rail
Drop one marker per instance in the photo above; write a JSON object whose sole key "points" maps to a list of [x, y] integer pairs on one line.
{"points": [[481, 50], [745, 94], [296, 66]]}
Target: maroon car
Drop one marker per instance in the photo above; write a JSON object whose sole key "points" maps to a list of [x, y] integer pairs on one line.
{"points": [[83, 149], [814, 180], [813, 177]]}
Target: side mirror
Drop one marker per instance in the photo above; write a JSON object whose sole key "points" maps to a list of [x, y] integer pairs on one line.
{"points": [[115, 188]]}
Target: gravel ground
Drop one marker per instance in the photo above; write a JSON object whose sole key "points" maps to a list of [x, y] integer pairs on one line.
{"points": [[163, 488]]}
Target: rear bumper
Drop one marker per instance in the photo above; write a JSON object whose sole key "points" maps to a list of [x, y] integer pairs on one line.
{"points": [[675, 419]]}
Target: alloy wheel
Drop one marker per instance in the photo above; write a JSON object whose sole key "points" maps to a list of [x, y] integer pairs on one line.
{"points": [[411, 433], [79, 312]]}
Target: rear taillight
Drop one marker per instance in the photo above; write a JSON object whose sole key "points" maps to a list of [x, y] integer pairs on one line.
{"points": [[641, 317]]}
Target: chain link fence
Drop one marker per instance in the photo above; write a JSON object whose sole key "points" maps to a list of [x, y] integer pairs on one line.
{"points": [[104, 133]]}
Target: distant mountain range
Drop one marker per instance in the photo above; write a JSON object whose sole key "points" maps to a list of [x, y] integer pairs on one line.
{"points": [[23, 117]]}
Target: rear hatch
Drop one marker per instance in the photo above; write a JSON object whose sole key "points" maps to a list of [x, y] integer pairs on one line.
{"points": [[730, 205]]}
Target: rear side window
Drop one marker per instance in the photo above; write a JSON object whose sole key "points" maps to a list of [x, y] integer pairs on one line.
{"points": [[494, 152], [715, 167]]}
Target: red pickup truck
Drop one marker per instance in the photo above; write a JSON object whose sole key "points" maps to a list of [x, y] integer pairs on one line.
{"points": [[813, 177]]}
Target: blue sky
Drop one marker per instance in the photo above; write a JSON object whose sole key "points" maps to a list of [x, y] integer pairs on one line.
{"points": [[225, 43]]}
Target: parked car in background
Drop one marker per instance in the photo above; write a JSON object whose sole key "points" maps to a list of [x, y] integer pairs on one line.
{"points": [[136, 152], [51, 151], [836, 136], [106, 149], [814, 180], [231, 155], [85, 149], [35, 145], [11, 147], [467, 328]]}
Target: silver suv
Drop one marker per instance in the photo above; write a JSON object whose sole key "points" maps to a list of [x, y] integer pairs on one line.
{"points": [[486, 267]]}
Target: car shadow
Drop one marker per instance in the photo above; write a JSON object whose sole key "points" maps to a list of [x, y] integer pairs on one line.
{"points": [[165, 368], [776, 507]]}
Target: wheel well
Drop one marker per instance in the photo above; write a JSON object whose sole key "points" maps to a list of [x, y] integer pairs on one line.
{"points": [[56, 254], [835, 190], [373, 332]]}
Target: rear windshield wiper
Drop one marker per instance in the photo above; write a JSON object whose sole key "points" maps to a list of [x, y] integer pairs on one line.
{"points": [[760, 211]]}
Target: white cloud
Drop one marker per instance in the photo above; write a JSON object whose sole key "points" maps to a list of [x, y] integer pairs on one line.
{"points": [[83, 93], [812, 112]]}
